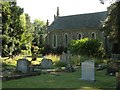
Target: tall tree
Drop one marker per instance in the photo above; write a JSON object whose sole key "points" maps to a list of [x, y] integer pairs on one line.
{"points": [[39, 29], [16, 28], [12, 28], [111, 25]]}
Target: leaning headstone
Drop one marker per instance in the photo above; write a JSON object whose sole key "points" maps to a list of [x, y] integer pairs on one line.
{"points": [[46, 63], [23, 65], [88, 71]]}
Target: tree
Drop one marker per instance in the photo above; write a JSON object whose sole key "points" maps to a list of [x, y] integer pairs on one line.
{"points": [[111, 25], [16, 29], [12, 28], [27, 36], [40, 30]]}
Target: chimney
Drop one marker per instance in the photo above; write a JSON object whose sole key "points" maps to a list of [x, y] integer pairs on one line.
{"points": [[47, 23], [57, 11]]}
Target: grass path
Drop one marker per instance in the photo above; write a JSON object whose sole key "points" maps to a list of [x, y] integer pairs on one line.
{"points": [[63, 80]]}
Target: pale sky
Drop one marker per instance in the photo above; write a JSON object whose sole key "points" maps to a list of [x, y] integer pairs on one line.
{"points": [[45, 9]]}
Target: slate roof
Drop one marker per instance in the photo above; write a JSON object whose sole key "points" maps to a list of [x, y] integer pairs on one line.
{"points": [[81, 21]]}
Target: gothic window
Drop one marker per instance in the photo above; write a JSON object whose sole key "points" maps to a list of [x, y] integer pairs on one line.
{"points": [[79, 36], [66, 39], [54, 41], [93, 35]]}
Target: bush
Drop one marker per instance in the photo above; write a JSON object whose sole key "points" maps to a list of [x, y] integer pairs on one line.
{"points": [[60, 64], [97, 62], [60, 49], [47, 49], [75, 60], [88, 47]]}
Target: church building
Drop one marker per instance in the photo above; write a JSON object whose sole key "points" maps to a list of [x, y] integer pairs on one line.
{"points": [[74, 27]]}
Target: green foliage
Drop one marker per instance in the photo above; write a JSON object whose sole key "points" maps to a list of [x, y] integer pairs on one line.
{"points": [[60, 64], [111, 25], [60, 49], [86, 46], [39, 32], [75, 60], [47, 49], [15, 29]]}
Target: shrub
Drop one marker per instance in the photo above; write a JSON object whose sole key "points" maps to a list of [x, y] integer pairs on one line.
{"points": [[88, 47], [75, 60], [47, 49], [60, 64], [60, 49]]}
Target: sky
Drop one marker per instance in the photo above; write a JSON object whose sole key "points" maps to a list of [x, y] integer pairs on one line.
{"points": [[45, 9]]}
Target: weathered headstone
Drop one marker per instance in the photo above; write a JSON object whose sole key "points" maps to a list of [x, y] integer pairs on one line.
{"points": [[46, 63], [23, 65], [88, 72], [65, 57]]}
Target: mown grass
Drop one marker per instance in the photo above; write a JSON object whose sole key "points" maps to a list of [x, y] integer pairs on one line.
{"points": [[64, 80]]}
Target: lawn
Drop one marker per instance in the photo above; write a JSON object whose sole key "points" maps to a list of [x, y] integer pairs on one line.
{"points": [[64, 80]]}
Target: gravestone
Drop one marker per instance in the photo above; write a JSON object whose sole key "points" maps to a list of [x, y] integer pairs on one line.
{"points": [[23, 65], [46, 63], [65, 57], [88, 72]]}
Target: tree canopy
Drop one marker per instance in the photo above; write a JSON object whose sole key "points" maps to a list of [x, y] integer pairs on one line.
{"points": [[111, 25], [15, 28]]}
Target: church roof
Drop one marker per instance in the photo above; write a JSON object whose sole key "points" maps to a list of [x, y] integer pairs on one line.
{"points": [[81, 21]]}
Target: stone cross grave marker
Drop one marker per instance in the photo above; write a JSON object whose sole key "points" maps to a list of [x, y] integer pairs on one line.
{"points": [[23, 65], [88, 72], [46, 63]]}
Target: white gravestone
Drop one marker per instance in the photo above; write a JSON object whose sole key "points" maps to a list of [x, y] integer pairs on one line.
{"points": [[88, 71], [46, 63], [23, 65]]}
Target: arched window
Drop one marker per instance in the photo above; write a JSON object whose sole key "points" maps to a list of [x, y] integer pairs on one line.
{"points": [[66, 39], [54, 41], [79, 36], [93, 35]]}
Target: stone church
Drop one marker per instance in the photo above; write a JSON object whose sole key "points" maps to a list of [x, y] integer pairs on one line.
{"points": [[74, 27]]}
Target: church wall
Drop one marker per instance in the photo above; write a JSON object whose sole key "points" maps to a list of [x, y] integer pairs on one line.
{"points": [[72, 35]]}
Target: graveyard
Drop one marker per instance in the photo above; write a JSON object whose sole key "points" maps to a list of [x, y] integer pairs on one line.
{"points": [[63, 80], [77, 52], [84, 77]]}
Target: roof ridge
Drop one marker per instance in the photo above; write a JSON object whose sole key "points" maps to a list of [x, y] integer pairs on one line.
{"points": [[83, 14], [79, 21]]}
